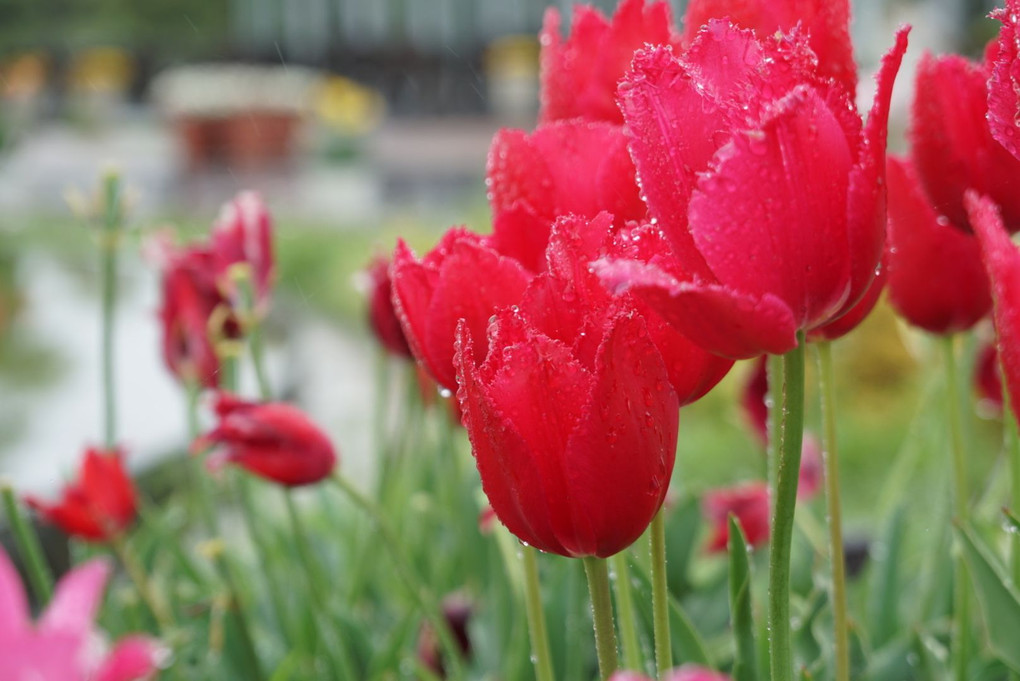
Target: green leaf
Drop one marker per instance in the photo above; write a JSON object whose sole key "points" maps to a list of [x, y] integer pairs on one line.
{"points": [[1012, 521], [744, 666], [999, 602], [883, 615], [687, 643]]}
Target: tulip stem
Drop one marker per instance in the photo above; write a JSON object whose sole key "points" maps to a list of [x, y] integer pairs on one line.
{"points": [[143, 584], [39, 575], [200, 481], [424, 598], [1011, 439], [830, 458], [787, 471], [602, 611], [629, 643], [961, 614], [540, 654], [660, 595], [237, 609], [109, 243]]}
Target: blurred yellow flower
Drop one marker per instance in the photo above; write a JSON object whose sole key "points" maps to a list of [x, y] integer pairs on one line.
{"points": [[348, 107]]}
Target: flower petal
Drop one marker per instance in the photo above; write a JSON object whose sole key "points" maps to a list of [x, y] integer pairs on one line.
{"points": [[14, 615], [133, 658], [1004, 85], [76, 600]]}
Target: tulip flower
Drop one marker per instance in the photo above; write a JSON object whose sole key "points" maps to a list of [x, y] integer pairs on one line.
{"points": [[243, 234], [987, 381], [64, 644], [461, 278], [574, 452], [920, 244], [573, 167], [1002, 261], [100, 504], [748, 502], [382, 317], [685, 673], [764, 184], [272, 440], [1004, 84], [827, 23], [579, 76], [193, 311], [951, 145]]}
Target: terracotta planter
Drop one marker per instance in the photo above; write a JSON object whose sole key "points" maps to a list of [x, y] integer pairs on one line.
{"points": [[260, 138]]}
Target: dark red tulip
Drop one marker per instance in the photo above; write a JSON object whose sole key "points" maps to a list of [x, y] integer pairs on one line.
{"points": [[457, 610], [1002, 261], [765, 183], [951, 145], [579, 75], [987, 381], [748, 502], [461, 278], [568, 303], [571, 167], [575, 454], [936, 278], [97, 506], [193, 311], [382, 317], [243, 234], [1004, 84], [272, 440], [827, 23]]}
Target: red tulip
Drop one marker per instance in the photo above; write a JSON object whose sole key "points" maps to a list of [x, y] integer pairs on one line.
{"points": [[827, 23], [856, 315], [190, 299], [243, 234], [764, 182], [1003, 86], [1002, 261], [951, 144], [936, 278], [462, 277], [273, 440], [382, 317], [579, 76], [565, 303], [99, 505], [575, 453], [987, 381], [748, 502], [573, 167]]}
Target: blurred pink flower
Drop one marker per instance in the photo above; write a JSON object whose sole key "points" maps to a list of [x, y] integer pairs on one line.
{"points": [[64, 645]]}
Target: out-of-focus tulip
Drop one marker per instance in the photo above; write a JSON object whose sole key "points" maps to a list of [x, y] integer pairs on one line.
{"points": [[987, 381], [951, 145], [572, 167], [685, 673], [64, 645], [827, 23], [382, 317], [272, 440], [243, 234], [461, 278], [575, 453], [100, 504], [1002, 260], [748, 502], [936, 278], [579, 75], [1004, 84], [193, 311], [765, 183], [457, 610]]}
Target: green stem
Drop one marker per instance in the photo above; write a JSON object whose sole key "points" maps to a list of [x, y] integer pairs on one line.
{"points": [[238, 613], [1012, 441], [660, 595], [164, 618], [200, 481], [423, 597], [540, 654], [108, 255], [774, 369], [830, 457], [39, 575], [787, 472], [961, 615], [602, 611], [628, 625]]}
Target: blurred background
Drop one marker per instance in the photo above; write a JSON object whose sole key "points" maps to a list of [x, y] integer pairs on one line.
{"points": [[358, 120]]}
